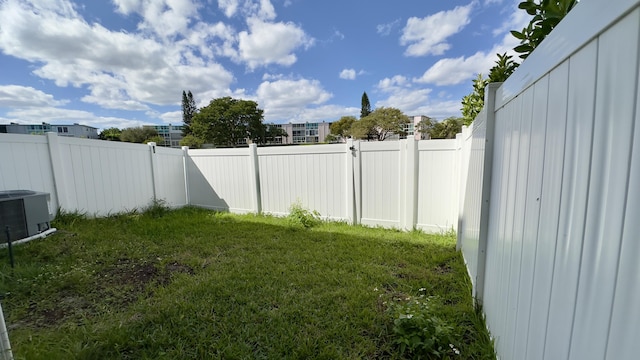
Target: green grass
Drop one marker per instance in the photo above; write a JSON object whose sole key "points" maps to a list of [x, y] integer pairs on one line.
{"points": [[196, 284]]}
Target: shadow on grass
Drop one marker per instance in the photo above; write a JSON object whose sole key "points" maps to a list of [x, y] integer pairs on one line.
{"points": [[199, 284]]}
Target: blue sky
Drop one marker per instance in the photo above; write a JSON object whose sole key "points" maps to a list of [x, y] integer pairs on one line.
{"points": [[126, 62]]}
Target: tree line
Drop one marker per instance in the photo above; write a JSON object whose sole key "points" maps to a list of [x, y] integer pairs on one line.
{"points": [[141, 135], [384, 122], [229, 122]]}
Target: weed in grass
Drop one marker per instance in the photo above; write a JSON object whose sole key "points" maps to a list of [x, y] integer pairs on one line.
{"points": [[299, 216], [417, 329], [64, 217], [156, 209]]}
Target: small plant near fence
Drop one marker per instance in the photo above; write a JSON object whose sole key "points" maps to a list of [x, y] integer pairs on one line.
{"points": [[418, 332], [299, 216]]}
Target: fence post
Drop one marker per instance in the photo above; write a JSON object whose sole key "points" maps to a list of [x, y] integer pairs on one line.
{"points": [[59, 180], [154, 169], [487, 163], [255, 177], [185, 167], [409, 183], [5, 345], [461, 180], [354, 188]]}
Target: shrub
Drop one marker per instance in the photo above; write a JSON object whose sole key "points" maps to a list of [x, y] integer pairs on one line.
{"points": [[299, 216], [418, 332], [156, 209]]}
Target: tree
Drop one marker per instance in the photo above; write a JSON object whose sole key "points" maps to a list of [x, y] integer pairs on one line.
{"points": [[503, 68], [191, 141], [159, 140], [380, 124], [111, 134], [341, 127], [138, 134], [447, 128], [331, 138], [273, 132], [546, 15], [365, 108], [473, 103], [188, 110], [228, 122], [425, 126]]}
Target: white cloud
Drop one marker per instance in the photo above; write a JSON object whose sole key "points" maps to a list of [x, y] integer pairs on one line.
{"points": [[16, 96], [282, 99], [165, 18], [121, 70], [229, 7], [328, 113], [452, 71], [262, 9], [414, 102], [348, 74], [402, 94], [337, 35], [517, 20], [172, 117], [428, 35], [392, 82], [271, 43], [385, 29]]}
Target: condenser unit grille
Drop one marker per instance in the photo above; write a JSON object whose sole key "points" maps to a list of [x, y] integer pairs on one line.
{"points": [[12, 214], [24, 212]]}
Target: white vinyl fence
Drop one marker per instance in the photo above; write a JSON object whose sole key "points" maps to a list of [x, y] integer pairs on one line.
{"points": [[550, 235], [91, 176], [403, 184]]}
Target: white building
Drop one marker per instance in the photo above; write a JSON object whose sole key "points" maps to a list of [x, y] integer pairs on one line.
{"points": [[73, 130], [302, 133], [170, 133]]}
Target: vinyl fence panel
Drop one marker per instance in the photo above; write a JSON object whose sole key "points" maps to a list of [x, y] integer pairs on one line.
{"points": [[380, 181], [26, 164], [438, 185], [313, 176], [221, 179], [170, 176], [102, 177]]}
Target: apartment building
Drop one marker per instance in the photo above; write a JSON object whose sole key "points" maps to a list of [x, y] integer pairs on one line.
{"points": [[302, 133], [171, 134], [72, 130]]}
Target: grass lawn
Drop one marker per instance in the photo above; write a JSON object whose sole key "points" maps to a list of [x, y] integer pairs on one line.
{"points": [[196, 284]]}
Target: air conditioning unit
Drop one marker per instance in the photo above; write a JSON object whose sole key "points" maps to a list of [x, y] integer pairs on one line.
{"points": [[25, 212]]}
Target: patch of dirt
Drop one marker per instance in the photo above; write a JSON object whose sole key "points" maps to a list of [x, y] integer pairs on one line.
{"points": [[443, 269], [117, 286], [179, 268], [68, 307]]}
